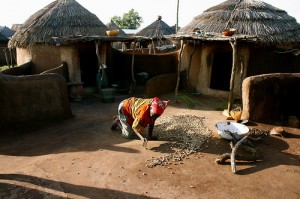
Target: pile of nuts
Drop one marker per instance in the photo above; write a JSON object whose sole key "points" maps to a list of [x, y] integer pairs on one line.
{"points": [[187, 133]]}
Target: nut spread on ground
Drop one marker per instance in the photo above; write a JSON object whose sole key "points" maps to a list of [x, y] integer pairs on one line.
{"points": [[187, 133]]}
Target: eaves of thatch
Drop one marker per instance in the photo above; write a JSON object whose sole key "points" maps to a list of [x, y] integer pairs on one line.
{"points": [[158, 29], [61, 18], [112, 26], [81, 38], [272, 26]]}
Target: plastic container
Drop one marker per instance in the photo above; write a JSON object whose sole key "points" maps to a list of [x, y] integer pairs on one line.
{"points": [[107, 95], [142, 78], [103, 82], [236, 115]]}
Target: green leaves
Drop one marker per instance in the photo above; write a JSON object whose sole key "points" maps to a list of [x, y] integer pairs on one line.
{"points": [[130, 20]]}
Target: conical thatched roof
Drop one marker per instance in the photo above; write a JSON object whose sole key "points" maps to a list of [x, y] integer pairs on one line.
{"points": [[250, 17], [60, 18], [156, 30], [113, 26], [6, 32], [3, 38]]}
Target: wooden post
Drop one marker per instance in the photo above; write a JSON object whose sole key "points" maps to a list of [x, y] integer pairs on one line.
{"points": [[97, 44], [153, 45], [6, 57], [189, 66], [132, 88], [177, 15], [11, 60], [178, 68], [233, 43]]}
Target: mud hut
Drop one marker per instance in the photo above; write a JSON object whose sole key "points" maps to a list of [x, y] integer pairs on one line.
{"points": [[7, 56], [157, 32], [114, 27], [50, 36], [264, 39]]}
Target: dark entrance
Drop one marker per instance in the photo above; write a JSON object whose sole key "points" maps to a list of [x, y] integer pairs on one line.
{"points": [[221, 71], [88, 66]]}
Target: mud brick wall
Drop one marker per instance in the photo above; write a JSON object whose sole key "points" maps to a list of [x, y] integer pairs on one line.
{"points": [[32, 99], [161, 84], [271, 98]]}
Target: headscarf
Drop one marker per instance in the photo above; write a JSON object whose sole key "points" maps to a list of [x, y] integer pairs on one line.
{"points": [[158, 106]]}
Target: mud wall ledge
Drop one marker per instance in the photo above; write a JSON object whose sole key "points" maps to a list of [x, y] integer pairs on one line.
{"points": [[271, 98]]}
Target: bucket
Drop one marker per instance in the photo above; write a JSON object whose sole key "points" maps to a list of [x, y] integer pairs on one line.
{"points": [[107, 95]]}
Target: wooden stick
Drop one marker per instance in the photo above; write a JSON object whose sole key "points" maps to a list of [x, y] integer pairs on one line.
{"points": [[179, 68], [133, 84], [226, 156], [189, 67], [233, 43], [233, 153], [97, 45]]}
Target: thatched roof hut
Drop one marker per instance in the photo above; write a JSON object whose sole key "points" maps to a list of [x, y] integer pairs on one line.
{"points": [[157, 29], [157, 32], [6, 32], [6, 56], [3, 38], [60, 18], [113, 26], [266, 40], [271, 25], [58, 33]]}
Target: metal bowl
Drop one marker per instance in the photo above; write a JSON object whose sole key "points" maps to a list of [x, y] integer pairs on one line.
{"points": [[226, 129]]}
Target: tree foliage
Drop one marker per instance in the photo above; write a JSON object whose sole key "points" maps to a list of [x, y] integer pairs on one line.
{"points": [[130, 20]]}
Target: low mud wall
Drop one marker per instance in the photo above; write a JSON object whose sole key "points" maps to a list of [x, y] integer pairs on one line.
{"points": [[32, 99], [27, 69], [271, 98], [24, 69], [161, 84]]}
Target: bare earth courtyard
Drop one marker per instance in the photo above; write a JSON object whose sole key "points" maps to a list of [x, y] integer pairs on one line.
{"points": [[83, 158]]}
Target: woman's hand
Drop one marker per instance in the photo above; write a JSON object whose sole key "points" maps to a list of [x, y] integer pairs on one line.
{"points": [[144, 143]]}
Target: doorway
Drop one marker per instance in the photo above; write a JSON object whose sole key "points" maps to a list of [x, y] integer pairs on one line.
{"points": [[221, 71], [88, 66]]}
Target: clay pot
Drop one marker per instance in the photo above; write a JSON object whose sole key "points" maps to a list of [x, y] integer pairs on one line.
{"points": [[293, 121], [228, 32], [76, 91]]}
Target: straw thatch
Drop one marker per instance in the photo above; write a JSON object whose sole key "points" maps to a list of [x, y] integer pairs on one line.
{"points": [[3, 38], [6, 32], [61, 18], [249, 17], [113, 26], [156, 30], [16, 27]]}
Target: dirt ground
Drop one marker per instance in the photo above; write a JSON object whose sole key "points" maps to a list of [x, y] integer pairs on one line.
{"points": [[82, 158]]}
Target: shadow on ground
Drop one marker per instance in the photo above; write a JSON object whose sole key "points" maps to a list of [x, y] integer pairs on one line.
{"points": [[45, 188]]}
